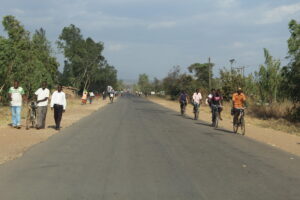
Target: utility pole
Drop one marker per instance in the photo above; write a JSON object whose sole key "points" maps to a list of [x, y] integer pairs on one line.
{"points": [[209, 74], [231, 63]]}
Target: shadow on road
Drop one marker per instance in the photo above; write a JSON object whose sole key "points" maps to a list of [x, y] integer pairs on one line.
{"points": [[151, 110], [203, 123], [224, 130], [218, 129]]}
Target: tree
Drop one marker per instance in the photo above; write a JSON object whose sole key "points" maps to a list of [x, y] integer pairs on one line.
{"points": [[230, 81], [144, 84], [268, 78], [25, 59], [291, 73], [44, 53], [203, 73], [157, 85], [85, 66], [170, 82], [176, 82]]}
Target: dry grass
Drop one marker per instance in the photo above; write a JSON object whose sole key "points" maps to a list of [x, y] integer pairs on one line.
{"points": [[5, 115], [273, 111]]}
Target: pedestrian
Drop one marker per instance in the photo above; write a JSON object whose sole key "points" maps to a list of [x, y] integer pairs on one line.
{"points": [[42, 95], [91, 96], [16, 96], [84, 97], [58, 104], [104, 95]]}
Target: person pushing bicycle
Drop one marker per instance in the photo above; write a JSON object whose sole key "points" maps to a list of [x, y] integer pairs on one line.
{"points": [[238, 104]]}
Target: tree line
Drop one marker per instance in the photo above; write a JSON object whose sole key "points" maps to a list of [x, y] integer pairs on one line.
{"points": [[30, 59], [271, 83]]}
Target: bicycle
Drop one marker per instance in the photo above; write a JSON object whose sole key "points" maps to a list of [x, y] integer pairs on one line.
{"points": [[111, 97], [240, 121], [182, 107], [196, 111], [215, 115], [31, 115]]}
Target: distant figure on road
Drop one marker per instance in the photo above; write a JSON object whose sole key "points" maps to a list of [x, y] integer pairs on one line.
{"points": [[42, 94], [103, 95], [111, 96], [16, 95], [58, 103], [84, 97], [91, 97]]}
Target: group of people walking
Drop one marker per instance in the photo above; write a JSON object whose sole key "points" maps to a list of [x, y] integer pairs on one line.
{"points": [[87, 96], [58, 103], [215, 101]]}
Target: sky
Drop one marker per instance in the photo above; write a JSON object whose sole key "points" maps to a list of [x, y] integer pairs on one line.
{"points": [[152, 36]]}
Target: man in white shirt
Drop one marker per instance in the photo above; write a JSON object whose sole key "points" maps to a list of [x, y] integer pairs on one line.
{"points": [[16, 95], [42, 105], [197, 99], [91, 97], [59, 104]]}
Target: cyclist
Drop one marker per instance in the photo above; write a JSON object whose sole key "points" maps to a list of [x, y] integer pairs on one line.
{"points": [[216, 101], [183, 99], [197, 99], [238, 103], [209, 97], [111, 96]]}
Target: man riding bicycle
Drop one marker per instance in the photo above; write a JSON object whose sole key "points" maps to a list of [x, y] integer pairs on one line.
{"points": [[238, 104], [209, 97], [197, 99], [216, 103], [183, 100]]}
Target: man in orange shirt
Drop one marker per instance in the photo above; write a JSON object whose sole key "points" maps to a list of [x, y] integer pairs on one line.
{"points": [[238, 102]]}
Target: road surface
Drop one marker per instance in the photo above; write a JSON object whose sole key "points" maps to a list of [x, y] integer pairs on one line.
{"points": [[136, 150]]}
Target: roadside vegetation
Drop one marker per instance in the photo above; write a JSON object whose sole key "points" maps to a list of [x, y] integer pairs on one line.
{"points": [[273, 91]]}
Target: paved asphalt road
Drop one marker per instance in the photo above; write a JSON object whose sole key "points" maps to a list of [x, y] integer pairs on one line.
{"points": [[136, 150]]}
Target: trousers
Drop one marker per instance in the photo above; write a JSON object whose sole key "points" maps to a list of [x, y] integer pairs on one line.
{"points": [[58, 110], [41, 116], [16, 115]]}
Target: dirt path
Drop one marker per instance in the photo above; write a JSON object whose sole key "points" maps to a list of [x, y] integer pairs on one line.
{"points": [[14, 142], [278, 139]]}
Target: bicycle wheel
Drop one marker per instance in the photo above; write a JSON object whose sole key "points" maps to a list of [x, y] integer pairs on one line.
{"points": [[196, 115], [216, 123], [235, 127], [213, 119], [182, 110], [243, 128]]}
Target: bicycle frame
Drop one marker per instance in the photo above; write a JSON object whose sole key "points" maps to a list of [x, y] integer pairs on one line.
{"points": [[182, 107], [215, 115], [240, 121]]}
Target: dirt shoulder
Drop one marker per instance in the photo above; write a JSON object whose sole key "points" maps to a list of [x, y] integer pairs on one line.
{"points": [[278, 139], [14, 142]]}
